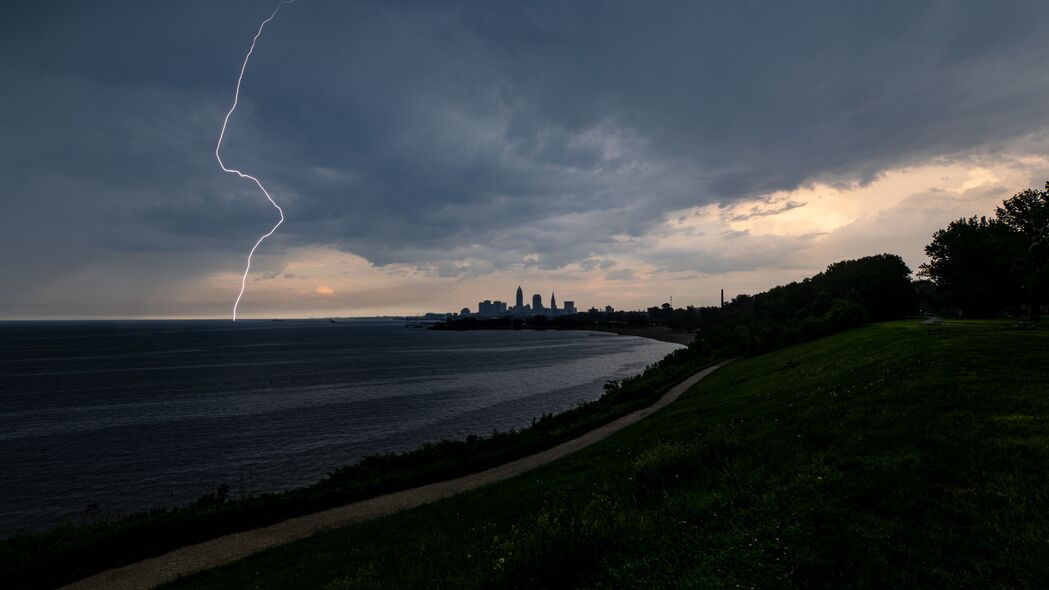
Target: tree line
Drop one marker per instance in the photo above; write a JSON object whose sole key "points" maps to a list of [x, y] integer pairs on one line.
{"points": [[846, 295], [986, 266]]}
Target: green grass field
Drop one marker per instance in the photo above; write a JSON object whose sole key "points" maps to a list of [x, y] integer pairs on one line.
{"points": [[897, 455]]}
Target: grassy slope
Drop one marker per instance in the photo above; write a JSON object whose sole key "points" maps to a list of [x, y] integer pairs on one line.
{"points": [[898, 455]]}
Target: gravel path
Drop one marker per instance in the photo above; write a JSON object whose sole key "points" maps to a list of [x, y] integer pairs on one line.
{"points": [[190, 559]]}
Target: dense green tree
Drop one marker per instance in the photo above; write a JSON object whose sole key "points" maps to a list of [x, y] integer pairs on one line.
{"points": [[879, 283], [1027, 215], [1027, 212], [984, 266], [971, 262]]}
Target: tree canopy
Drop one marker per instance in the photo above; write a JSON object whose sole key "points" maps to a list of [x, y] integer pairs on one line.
{"points": [[848, 294], [984, 266]]}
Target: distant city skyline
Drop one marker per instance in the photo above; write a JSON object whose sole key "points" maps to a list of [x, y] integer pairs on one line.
{"points": [[495, 308]]}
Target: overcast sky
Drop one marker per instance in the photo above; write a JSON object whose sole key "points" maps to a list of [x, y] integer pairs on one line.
{"points": [[429, 155]]}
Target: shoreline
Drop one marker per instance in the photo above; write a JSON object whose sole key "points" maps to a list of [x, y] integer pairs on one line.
{"points": [[660, 333]]}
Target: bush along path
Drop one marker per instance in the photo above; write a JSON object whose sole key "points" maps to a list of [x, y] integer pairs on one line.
{"points": [[216, 552]]}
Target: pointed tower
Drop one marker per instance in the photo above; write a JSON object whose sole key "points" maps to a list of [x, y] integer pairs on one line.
{"points": [[553, 300], [520, 298]]}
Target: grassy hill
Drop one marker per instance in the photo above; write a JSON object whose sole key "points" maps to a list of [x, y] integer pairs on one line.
{"points": [[897, 455]]}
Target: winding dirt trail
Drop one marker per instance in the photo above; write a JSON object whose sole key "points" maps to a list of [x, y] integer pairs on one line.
{"points": [[190, 559]]}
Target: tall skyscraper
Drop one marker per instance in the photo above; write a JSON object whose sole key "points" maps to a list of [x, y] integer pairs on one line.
{"points": [[520, 298], [553, 302], [537, 303]]}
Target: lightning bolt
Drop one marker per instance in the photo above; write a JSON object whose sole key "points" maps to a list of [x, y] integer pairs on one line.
{"points": [[218, 147]]}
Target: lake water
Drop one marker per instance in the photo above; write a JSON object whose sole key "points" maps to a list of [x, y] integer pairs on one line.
{"points": [[134, 415]]}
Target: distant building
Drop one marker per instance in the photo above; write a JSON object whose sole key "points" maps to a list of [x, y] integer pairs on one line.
{"points": [[488, 308], [537, 303], [520, 299], [569, 307], [465, 311], [553, 302], [609, 309]]}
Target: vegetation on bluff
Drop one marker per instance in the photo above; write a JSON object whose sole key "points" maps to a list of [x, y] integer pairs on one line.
{"points": [[846, 295]]}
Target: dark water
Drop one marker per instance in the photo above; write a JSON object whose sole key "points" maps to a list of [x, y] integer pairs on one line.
{"points": [[133, 415]]}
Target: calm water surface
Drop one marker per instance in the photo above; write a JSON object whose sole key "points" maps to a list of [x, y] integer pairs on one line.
{"points": [[132, 415]]}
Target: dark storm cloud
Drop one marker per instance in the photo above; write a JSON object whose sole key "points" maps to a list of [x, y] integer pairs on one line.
{"points": [[421, 133]]}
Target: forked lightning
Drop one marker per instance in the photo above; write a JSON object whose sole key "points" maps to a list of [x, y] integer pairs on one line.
{"points": [[218, 147]]}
